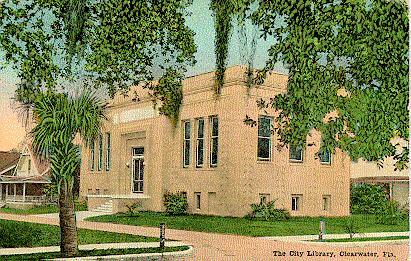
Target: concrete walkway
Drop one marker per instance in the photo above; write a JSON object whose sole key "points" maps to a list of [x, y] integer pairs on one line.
{"points": [[210, 246], [32, 250], [80, 215], [336, 236]]}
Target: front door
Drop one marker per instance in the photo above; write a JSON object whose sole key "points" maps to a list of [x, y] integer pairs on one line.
{"points": [[138, 170]]}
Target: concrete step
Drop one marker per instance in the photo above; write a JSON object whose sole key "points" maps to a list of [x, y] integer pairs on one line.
{"points": [[107, 207]]}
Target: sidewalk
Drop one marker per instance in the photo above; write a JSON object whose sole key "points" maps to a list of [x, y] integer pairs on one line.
{"points": [[212, 246], [336, 236], [80, 215], [33, 250]]}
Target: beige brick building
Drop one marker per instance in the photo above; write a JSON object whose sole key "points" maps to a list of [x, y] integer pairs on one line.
{"points": [[222, 164]]}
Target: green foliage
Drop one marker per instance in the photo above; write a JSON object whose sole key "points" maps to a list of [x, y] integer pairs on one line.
{"points": [[367, 198], [390, 213], [13, 236], [222, 11], [115, 44], [175, 203], [268, 212], [169, 91], [225, 12], [354, 45], [351, 227], [134, 208], [129, 39], [59, 119]]}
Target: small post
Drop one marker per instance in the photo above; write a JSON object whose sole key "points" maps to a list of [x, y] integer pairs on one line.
{"points": [[162, 235], [322, 230]]}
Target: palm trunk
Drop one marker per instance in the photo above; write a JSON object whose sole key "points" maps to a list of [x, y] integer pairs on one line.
{"points": [[68, 228]]}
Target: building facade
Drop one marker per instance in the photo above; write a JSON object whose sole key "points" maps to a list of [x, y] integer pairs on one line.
{"points": [[221, 164]]}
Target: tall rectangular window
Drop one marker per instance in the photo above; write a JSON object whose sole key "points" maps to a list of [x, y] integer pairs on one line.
{"points": [[214, 141], [100, 152], [92, 155], [200, 143], [296, 153], [186, 145], [198, 200], [108, 151], [325, 157], [264, 138], [296, 202]]}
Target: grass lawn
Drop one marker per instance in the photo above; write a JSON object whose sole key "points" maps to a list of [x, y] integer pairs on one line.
{"points": [[243, 226], [95, 253], [50, 235], [361, 239], [44, 209]]}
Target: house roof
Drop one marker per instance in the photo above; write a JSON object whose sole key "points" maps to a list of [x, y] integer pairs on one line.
{"points": [[42, 165], [8, 159], [21, 179]]}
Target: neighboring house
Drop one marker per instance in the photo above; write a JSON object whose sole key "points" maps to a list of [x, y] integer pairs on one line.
{"points": [[221, 164], [26, 183], [8, 162], [395, 182]]}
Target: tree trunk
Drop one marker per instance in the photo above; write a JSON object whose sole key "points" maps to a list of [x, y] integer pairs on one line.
{"points": [[68, 228]]}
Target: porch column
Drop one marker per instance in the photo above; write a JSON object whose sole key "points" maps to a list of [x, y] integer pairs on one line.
{"points": [[24, 192], [15, 191], [1, 191], [7, 191]]}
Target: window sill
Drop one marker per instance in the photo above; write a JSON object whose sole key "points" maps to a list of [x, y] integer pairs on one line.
{"points": [[259, 161], [326, 164], [296, 161]]}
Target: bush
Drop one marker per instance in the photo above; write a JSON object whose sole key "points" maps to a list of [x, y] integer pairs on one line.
{"points": [[367, 198], [350, 227], [21, 235], [133, 209], [267, 211], [175, 203], [390, 214]]}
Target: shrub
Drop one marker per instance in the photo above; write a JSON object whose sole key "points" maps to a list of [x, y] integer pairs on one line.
{"points": [[175, 203], [390, 214], [21, 235], [350, 227], [367, 198], [133, 209], [267, 211]]}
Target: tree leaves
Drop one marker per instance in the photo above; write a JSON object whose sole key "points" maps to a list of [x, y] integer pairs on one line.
{"points": [[366, 52]]}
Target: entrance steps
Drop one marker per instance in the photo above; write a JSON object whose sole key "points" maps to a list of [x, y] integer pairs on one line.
{"points": [[105, 208]]}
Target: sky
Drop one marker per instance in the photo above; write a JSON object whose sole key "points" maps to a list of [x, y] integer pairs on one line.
{"points": [[201, 21]]}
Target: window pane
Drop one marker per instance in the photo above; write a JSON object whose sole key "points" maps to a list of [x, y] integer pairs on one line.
{"points": [[187, 130], [138, 151], [325, 156], [108, 152], [264, 127], [215, 126], [296, 153], [200, 152], [214, 151], [264, 148], [187, 152], [200, 132]]}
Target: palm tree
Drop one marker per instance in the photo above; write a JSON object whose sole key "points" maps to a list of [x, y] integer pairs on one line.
{"points": [[59, 118]]}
